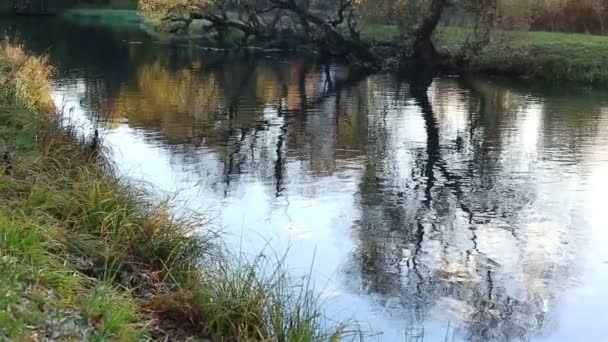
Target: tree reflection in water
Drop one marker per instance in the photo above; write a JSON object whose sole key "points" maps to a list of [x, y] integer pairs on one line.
{"points": [[449, 230], [465, 241], [459, 218]]}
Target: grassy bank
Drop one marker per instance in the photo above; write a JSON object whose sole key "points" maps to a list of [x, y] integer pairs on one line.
{"points": [[109, 17], [151, 24], [87, 256], [536, 55]]}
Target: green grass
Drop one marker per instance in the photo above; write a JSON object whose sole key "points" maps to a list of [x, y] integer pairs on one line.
{"points": [[106, 17], [568, 38], [538, 55], [379, 32], [45, 270], [86, 256]]}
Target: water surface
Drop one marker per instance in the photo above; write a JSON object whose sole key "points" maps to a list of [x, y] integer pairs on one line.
{"points": [[446, 208]]}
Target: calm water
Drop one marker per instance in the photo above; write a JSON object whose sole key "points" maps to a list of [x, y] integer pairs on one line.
{"points": [[444, 209]]}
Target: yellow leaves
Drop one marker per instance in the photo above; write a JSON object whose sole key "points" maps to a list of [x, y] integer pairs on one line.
{"points": [[162, 6]]}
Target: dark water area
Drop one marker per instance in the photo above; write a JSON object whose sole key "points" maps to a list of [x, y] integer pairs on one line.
{"points": [[438, 209]]}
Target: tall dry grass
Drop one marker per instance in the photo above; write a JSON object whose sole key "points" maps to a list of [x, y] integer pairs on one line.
{"points": [[26, 79]]}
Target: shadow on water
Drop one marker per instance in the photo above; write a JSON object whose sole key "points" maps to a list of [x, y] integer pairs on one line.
{"points": [[461, 201]]}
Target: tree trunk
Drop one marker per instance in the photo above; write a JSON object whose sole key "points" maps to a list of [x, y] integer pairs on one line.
{"points": [[315, 29], [332, 38], [424, 49]]}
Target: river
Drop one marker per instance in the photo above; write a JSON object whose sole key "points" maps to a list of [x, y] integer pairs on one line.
{"points": [[444, 209]]}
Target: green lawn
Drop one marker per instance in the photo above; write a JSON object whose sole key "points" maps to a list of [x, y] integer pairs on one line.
{"points": [[382, 32], [569, 38], [539, 55], [112, 17]]}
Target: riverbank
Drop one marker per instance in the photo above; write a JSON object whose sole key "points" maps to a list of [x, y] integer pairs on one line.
{"points": [[109, 17], [545, 56], [548, 56], [85, 255]]}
